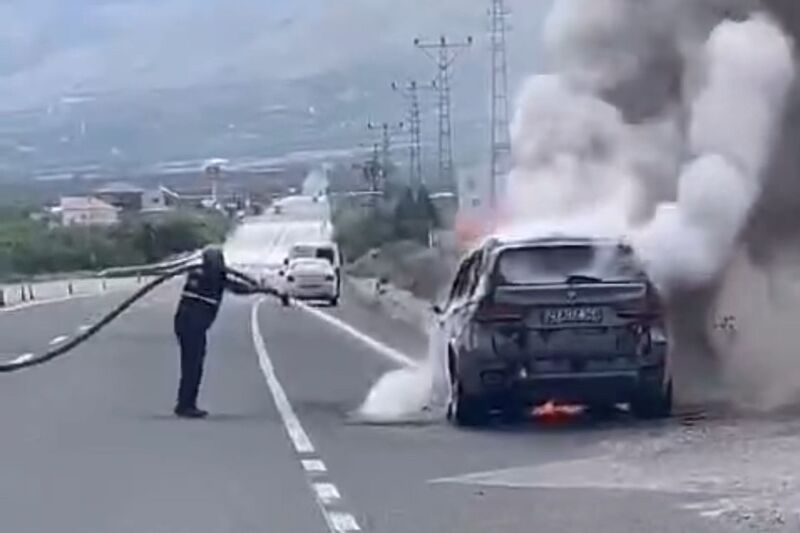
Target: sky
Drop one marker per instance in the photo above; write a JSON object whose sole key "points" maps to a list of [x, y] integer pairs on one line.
{"points": [[51, 48]]}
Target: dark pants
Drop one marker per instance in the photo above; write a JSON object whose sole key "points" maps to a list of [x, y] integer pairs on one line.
{"points": [[193, 354]]}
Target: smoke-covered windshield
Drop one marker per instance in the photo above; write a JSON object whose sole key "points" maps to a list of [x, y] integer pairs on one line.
{"points": [[566, 264]]}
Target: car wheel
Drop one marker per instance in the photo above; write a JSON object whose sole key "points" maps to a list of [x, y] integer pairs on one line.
{"points": [[285, 300], [335, 301], [465, 411], [652, 403]]}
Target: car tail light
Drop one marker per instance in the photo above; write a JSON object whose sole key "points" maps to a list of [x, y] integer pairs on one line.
{"points": [[645, 311]]}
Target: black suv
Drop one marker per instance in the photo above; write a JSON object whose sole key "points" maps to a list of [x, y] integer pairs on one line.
{"points": [[571, 320]]}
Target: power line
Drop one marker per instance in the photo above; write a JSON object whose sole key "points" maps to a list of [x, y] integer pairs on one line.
{"points": [[414, 125], [387, 131], [444, 54], [500, 140]]}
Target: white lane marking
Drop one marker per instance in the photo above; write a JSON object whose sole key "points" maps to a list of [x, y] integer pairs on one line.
{"points": [[314, 466], [58, 340], [84, 328], [24, 358], [387, 351], [324, 493], [343, 522], [327, 493], [299, 437]]}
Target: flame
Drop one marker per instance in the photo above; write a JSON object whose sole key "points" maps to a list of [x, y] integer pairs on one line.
{"points": [[554, 413]]}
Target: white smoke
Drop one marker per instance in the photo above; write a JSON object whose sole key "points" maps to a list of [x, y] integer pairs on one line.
{"points": [[411, 394], [734, 120], [316, 182]]}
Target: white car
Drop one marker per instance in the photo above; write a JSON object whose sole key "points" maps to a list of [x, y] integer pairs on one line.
{"points": [[328, 251], [310, 279]]}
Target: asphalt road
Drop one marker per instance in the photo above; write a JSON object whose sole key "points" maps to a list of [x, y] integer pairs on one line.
{"points": [[89, 443]]}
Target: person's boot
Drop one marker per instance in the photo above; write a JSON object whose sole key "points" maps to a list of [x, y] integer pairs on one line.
{"points": [[190, 412]]}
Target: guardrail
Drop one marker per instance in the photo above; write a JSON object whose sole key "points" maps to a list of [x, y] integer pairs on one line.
{"points": [[17, 294]]}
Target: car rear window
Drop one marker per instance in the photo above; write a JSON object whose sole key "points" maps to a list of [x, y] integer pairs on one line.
{"points": [[563, 264], [326, 253], [303, 251], [314, 252]]}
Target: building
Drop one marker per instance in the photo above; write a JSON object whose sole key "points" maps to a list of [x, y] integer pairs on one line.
{"points": [[124, 196], [154, 201], [130, 199], [87, 211]]}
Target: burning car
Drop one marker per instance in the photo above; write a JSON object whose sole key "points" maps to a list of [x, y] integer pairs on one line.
{"points": [[570, 320]]}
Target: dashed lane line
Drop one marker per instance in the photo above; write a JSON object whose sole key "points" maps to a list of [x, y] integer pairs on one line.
{"points": [[314, 466], [58, 340], [344, 522], [326, 494], [24, 358]]}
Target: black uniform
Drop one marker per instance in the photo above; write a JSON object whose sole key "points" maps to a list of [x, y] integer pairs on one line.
{"points": [[198, 308]]}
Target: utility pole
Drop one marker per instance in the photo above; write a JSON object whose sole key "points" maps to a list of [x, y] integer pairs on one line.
{"points": [[372, 174], [387, 130], [444, 54], [500, 141], [410, 92]]}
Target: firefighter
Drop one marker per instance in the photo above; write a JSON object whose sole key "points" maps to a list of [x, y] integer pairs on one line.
{"points": [[197, 310]]}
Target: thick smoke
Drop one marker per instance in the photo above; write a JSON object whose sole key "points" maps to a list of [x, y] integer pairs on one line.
{"points": [[734, 121], [659, 123]]}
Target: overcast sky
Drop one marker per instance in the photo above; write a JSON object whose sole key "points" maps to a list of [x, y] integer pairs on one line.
{"points": [[53, 48]]}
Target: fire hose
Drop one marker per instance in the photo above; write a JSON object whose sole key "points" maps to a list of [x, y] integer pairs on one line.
{"points": [[94, 329]]}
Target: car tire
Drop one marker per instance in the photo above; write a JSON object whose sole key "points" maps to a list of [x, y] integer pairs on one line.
{"points": [[285, 300], [334, 301], [466, 411], [653, 403]]}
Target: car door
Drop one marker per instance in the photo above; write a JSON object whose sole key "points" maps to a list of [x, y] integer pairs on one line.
{"points": [[448, 324], [460, 304]]}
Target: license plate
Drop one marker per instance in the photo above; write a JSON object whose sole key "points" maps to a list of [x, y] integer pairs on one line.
{"points": [[572, 315]]}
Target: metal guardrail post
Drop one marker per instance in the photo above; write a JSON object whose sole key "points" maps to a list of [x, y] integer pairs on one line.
{"points": [[70, 289], [22, 295], [31, 294], [2, 297]]}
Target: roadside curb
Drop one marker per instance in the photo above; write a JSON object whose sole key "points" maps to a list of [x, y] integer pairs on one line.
{"points": [[395, 303]]}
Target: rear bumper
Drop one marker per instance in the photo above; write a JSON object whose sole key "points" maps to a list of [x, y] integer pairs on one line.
{"points": [[327, 291], [613, 386]]}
